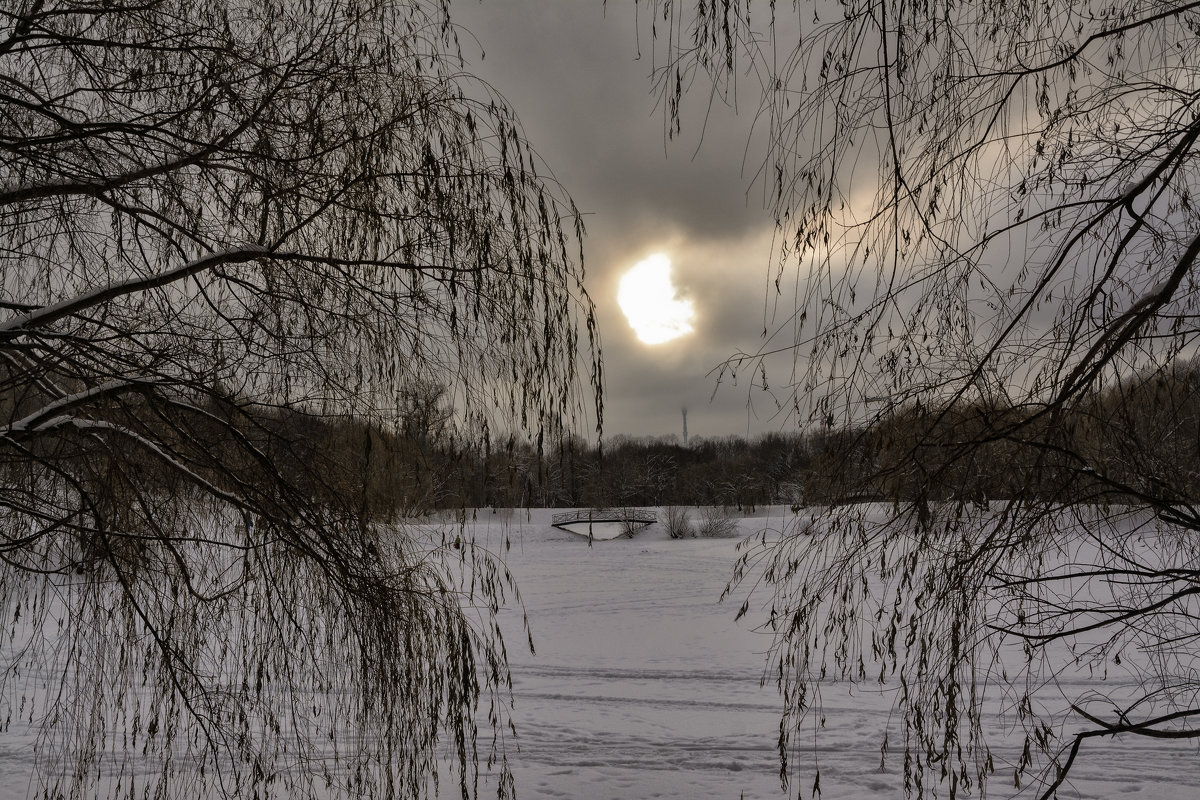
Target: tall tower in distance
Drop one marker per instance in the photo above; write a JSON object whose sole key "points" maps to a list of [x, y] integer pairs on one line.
{"points": [[685, 426]]}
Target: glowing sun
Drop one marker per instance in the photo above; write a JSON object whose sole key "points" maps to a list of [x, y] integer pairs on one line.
{"points": [[647, 297]]}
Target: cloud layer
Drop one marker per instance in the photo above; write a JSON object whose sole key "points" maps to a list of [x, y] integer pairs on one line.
{"points": [[583, 91]]}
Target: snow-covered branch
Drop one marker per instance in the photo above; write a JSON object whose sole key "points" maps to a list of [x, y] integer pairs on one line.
{"points": [[30, 422], [50, 314]]}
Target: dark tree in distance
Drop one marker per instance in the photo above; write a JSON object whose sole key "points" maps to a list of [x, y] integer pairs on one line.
{"points": [[988, 212], [220, 220]]}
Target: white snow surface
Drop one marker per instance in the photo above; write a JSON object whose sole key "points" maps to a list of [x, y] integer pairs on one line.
{"points": [[644, 686]]}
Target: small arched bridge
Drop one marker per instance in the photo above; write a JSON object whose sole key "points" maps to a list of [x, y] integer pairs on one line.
{"points": [[638, 517]]}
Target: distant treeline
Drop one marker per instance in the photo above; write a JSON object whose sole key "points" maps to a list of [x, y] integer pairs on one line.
{"points": [[406, 476], [1134, 437]]}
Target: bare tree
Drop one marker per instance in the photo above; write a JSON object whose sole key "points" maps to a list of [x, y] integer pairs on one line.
{"points": [[220, 222], [988, 211]]}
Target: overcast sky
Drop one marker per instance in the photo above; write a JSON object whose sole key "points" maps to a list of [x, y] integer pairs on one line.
{"points": [[573, 73]]}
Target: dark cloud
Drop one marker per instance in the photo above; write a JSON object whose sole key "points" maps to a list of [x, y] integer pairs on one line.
{"points": [[575, 76]]}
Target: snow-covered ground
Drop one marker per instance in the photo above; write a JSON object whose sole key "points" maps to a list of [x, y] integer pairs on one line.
{"points": [[643, 686]]}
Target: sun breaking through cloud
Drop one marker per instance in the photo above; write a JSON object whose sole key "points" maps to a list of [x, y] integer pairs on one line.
{"points": [[647, 298]]}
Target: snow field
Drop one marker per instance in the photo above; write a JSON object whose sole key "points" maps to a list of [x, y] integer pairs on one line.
{"points": [[644, 686]]}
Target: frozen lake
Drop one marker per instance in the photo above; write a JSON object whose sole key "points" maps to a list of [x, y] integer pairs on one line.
{"points": [[644, 686]]}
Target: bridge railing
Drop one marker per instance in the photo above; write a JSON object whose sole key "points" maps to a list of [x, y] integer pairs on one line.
{"points": [[637, 515]]}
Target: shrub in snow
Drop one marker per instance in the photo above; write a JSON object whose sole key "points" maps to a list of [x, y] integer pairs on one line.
{"points": [[715, 523], [629, 523], [678, 522]]}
